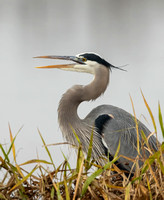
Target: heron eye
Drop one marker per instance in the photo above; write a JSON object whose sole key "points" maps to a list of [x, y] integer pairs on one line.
{"points": [[84, 59]]}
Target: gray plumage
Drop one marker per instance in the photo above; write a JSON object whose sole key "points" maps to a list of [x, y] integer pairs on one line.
{"points": [[120, 127]]}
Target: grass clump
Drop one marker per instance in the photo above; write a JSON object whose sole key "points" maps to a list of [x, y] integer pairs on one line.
{"points": [[63, 182]]}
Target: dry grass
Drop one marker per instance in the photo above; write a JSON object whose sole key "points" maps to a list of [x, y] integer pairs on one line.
{"points": [[63, 182], [67, 183]]}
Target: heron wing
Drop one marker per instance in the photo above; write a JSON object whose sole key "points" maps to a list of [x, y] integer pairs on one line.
{"points": [[122, 128]]}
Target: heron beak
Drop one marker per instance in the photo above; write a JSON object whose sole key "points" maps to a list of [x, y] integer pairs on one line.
{"points": [[63, 66]]}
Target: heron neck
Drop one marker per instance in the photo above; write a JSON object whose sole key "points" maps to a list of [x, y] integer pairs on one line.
{"points": [[67, 110], [98, 86]]}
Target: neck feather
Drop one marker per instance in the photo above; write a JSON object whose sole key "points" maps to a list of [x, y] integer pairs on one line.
{"points": [[67, 110]]}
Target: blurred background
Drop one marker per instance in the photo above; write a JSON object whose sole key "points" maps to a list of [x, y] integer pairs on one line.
{"points": [[123, 32]]}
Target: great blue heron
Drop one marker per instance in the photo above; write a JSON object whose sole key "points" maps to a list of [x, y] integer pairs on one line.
{"points": [[111, 124]]}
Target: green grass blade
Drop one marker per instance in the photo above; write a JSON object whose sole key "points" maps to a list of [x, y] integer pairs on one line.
{"points": [[2, 197], [80, 157], [149, 188], [160, 119], [65, 182], [150, 112], [65, 158], [48, 152], [89, 154], [36, 161], [66, 190], [23, 179], [80, 152], [144, 138], [161, 165], [11, 145], [56, 186], [151, 159], [136, 123], [77, 138], [52, 193], [136, 179], [127, 191], [90, 179], [6, 158], [95, 174], [148, 162], [117, 151], [59, 197]]}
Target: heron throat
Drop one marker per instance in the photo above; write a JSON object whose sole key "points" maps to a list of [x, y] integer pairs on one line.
{"points": [[67, 111]]}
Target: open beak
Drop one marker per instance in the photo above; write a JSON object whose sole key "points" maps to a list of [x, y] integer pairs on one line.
{"points": [[63, 66]]}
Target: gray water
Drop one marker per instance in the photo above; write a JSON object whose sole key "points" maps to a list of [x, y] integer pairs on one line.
{"points": [[123, 32]]}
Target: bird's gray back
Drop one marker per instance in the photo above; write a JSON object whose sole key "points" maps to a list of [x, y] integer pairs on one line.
{"points": [[121, 127]]}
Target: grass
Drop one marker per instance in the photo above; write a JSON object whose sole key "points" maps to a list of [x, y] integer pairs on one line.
{"points": [[63, 182]]}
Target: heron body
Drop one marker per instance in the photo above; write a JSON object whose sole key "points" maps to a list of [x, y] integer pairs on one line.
{"points": [[109, 124]]}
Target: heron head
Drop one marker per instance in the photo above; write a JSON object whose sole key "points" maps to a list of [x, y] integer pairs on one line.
{"points": [[84, 62]]}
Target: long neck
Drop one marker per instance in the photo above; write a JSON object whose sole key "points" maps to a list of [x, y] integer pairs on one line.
{"points": [[67, 110]]}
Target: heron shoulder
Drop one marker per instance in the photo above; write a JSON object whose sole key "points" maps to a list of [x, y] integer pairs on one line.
{"points": [[100, 122]]}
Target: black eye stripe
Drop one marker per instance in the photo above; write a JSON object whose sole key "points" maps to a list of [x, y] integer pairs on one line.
{"points": [[83, 57]]}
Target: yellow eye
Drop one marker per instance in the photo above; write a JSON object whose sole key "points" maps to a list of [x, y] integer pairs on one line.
{"points": [[84, 59]]}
